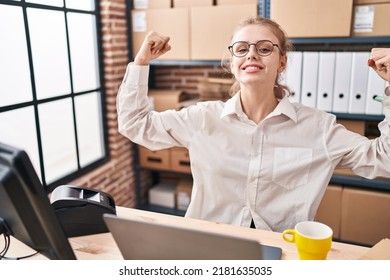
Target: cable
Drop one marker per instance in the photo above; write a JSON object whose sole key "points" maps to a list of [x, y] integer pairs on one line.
{"points": [[20, 258], [5, 230], [7, 241]]}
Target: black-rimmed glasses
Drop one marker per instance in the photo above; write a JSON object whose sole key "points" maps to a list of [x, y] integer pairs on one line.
{"points": [[263, 48]]}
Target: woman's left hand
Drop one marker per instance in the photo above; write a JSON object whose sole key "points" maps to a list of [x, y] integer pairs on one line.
{"points": [[380, 62]]}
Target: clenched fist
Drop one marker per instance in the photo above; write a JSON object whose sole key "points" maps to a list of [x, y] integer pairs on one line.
{"points": [[153, 46], [380, 62]]}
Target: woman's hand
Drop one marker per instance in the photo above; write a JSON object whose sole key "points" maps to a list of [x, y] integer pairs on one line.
{"points": [[380, 62], [153, 46]]}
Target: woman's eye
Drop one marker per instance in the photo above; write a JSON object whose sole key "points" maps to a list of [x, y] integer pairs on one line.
{"points": [[242, 50], [264, 50]]}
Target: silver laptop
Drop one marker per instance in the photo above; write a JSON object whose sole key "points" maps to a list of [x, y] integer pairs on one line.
{"points": [[147, 240]]}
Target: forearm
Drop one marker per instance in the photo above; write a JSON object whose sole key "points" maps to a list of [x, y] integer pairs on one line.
{"points": [[132, 100]]}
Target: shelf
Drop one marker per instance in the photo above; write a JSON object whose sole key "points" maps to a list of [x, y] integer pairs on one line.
{"points": [[355, 181], [161, 209], [185, 62], [345, 44], [359, 117], [343, 40]]}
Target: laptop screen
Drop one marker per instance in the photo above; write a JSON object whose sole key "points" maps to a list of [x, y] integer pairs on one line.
{"points": [[149, 240]]}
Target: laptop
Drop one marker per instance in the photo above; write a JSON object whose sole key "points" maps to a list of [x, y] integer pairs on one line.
{"points": [[148, 240]]}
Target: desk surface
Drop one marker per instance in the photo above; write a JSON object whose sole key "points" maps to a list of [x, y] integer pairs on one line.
{"points": [[102, 246]]}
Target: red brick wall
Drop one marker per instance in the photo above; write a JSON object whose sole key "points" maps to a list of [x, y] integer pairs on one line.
{"points": [[185, 77]]}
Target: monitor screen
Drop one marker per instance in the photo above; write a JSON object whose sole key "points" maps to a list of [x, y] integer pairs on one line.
{"points": [[25, 209]]}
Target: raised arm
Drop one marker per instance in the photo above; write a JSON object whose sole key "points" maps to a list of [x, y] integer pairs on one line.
{"points": [[154, 130]]}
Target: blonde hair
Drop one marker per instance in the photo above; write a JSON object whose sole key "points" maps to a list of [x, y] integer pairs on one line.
{"points": [[284, 44]]}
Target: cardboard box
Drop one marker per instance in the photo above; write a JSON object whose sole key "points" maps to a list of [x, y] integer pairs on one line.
{"points": [[315, 18], [167, 99], [183, 194], [214, 88], [163, 194], [380, 251], [365, 216], [189, 102], [174, 23], [151, 4], [191, 3], [329, 211], [212, 28], [235, 2], [358, 2], [154, 159], [180, 160], [344, 171], [355, 126], [371, 20]]}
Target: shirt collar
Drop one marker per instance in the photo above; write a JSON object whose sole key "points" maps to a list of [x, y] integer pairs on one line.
{"points": [[286, 108], [233, 106]]}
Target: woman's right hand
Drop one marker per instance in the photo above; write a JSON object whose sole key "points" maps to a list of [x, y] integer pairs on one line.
{"points": [[153, 46]]}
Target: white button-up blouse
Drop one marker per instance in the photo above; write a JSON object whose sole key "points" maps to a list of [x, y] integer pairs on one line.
{"points": [[274, 172]]}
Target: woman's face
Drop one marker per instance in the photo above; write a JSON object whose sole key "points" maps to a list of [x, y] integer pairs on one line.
{"points": [[252, 68]]}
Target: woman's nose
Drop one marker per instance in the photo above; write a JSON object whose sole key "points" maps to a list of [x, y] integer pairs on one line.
{"points": [[252, 53]]}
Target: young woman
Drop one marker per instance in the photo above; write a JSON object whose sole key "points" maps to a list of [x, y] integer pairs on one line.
{"points": [[256, 159]]}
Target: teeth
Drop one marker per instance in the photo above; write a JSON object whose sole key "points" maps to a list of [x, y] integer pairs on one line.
{"points": [[252, 68]]}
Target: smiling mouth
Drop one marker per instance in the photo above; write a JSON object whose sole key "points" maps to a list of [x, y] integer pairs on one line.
{"points": [[252, 68]]}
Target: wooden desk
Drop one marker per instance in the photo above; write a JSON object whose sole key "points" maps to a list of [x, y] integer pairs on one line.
{"points": [[103, 246]]}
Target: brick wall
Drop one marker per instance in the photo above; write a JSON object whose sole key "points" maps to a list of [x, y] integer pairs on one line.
{"points": [[185, 78], [117, 177]]}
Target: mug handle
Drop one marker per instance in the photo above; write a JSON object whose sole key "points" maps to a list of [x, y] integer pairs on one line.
{"points": [[291, 232]]}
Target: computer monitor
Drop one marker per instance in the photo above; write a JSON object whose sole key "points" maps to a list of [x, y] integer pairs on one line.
{"points": [[25, 209]]}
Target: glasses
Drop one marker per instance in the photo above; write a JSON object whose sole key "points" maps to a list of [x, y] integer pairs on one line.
{"points": [[263, 48]]}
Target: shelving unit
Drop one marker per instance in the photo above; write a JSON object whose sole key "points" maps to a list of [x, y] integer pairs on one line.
{"points": [[349, 44], [301, 44], [156, 174]]}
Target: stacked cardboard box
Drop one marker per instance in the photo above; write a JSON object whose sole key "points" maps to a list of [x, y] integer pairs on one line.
{"points": [[214, 88], [212, 29], [172, 194], [163, 194], [151, 4], [183, 194], [198, 30], [356, 215], [169, 22], [315, 18], [371, 18], [191, 3], [167, 99]]}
